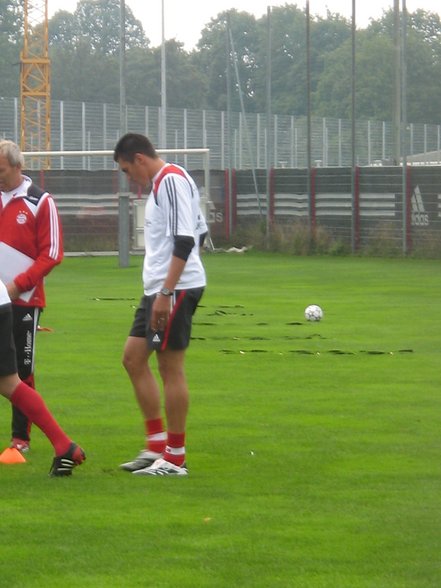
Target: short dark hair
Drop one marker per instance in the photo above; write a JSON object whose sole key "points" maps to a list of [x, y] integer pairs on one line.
{"points": [[132, 143]]}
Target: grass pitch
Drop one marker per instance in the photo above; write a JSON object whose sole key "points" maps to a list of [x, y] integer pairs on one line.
{"points": [[313, 448]]}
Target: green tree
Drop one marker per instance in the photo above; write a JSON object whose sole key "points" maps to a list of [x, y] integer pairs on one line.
{"points": [[185, 83], [84, 49], [11, 27], [211, 59], [375, 72], [99, 22]]}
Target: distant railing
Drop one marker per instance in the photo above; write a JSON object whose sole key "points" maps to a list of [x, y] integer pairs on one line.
{"points": [[85, 126]]}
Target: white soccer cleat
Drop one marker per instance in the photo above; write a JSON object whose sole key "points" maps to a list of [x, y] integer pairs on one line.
{"points": [[145, 459], [161, 467]]}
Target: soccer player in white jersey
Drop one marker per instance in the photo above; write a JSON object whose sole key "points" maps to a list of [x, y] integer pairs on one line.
{"points": [[174, 280], [28, 401], [29, 227]]}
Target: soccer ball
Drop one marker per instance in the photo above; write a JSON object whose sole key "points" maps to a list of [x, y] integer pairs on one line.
{"points": [[313, 313]]}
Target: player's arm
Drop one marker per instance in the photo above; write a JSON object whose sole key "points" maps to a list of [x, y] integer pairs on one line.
{"points": [[50, 246]]}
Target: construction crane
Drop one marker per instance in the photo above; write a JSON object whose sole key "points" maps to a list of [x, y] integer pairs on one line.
{"points": [[35, 131]]}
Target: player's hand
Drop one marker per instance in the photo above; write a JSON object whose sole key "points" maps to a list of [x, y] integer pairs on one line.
{"points": [[13, 291], [160, 313]]}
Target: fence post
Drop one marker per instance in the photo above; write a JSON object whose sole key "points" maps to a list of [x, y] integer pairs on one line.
{"points": [[123, 229], [61, 133], [16, 137], [407, 197]]}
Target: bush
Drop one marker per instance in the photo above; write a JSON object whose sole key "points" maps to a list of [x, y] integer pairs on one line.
{"points": [[289, 238]]}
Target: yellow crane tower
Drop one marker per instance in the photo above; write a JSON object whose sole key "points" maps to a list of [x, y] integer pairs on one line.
{"points": [[35, 129]]}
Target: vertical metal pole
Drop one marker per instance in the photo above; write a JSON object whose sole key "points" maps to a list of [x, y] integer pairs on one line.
{"points": [[83, 131], [296, 147], [308, 116], [258, 139], [163, 138], [353, 134], [16, 138], [240, 139], [383, 141], [291, 139], [229, 129], [123, 203], [268, 122], [425, 142], [105, 133], [222, 137], [398, 86], [185, 136], [339, 144], [438, 142], [404, 122], [369, 125], [146, 121], [61, 133], [204, 128]]}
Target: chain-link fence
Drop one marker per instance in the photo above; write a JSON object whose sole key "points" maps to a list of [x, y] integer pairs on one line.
{"points": [[89, 126]]}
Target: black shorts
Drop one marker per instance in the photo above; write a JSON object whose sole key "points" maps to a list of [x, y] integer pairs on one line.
{"points": [[25, 323], [178, 330], [8, 359]]}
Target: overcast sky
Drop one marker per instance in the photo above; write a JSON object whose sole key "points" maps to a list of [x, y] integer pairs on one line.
{"points": [[185, 19]]}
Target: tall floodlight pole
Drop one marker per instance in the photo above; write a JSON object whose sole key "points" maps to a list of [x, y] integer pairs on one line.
{"points": [[269, 155], [122, 68], [353, 134], [123, 202], [163, 138], [308, 117], [229, 125], [397, 93], [404, 123]]}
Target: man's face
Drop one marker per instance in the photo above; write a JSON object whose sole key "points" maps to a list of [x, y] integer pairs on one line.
{"points": [[137, 170], [10, 175]]}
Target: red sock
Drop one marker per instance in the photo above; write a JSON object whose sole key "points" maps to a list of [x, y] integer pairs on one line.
{"points": [[156, 437], [175, 450], [33, 407]]}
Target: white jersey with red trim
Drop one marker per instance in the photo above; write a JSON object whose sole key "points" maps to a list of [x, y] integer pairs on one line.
{"points": [[172, 210], [29, 223]]}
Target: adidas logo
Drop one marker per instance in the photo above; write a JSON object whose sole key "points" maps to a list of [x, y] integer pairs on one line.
{"points": [[27, 318], [419, 216], [156, 338]]}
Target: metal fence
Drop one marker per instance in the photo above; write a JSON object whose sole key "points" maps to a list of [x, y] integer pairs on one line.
{"points": [[89, 126], [377, 219]]}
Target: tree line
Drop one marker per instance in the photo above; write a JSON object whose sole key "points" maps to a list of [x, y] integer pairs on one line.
{"points": [[84, 52]]}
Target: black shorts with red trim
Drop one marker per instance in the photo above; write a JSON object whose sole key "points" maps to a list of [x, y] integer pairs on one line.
{"points": [[8, 358], [178, 330]]}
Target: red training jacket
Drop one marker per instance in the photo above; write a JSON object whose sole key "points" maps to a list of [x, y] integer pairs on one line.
{"points": [[29, 222]]}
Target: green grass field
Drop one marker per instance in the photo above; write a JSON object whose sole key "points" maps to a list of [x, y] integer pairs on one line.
{"points": [[313, 448]]}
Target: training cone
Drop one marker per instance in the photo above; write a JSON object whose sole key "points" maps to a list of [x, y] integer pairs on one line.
{"points": [[11, 455]]}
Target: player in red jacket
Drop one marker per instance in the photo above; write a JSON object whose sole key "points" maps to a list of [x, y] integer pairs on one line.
{"points": [[67, 453], [30, 246]]}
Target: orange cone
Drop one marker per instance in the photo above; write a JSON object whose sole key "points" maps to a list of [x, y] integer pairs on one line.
{"points": [[11, 455]]}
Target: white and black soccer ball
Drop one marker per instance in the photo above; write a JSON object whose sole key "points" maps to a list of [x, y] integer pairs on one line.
{"points": [[313, 312]]}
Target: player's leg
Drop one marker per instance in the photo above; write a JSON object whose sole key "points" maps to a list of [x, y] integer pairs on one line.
{"points": [[171, 367], [28, 401], [136, 362], [145, 386], [25, 323]]}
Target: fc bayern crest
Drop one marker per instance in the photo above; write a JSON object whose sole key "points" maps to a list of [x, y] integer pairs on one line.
{"points": [[21, 218]]}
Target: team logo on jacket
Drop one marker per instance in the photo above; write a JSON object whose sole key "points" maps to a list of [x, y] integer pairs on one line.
{"points": [[21, 218]]}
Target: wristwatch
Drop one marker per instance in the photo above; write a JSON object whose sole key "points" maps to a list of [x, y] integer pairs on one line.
{"points": [[166, 292]]}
